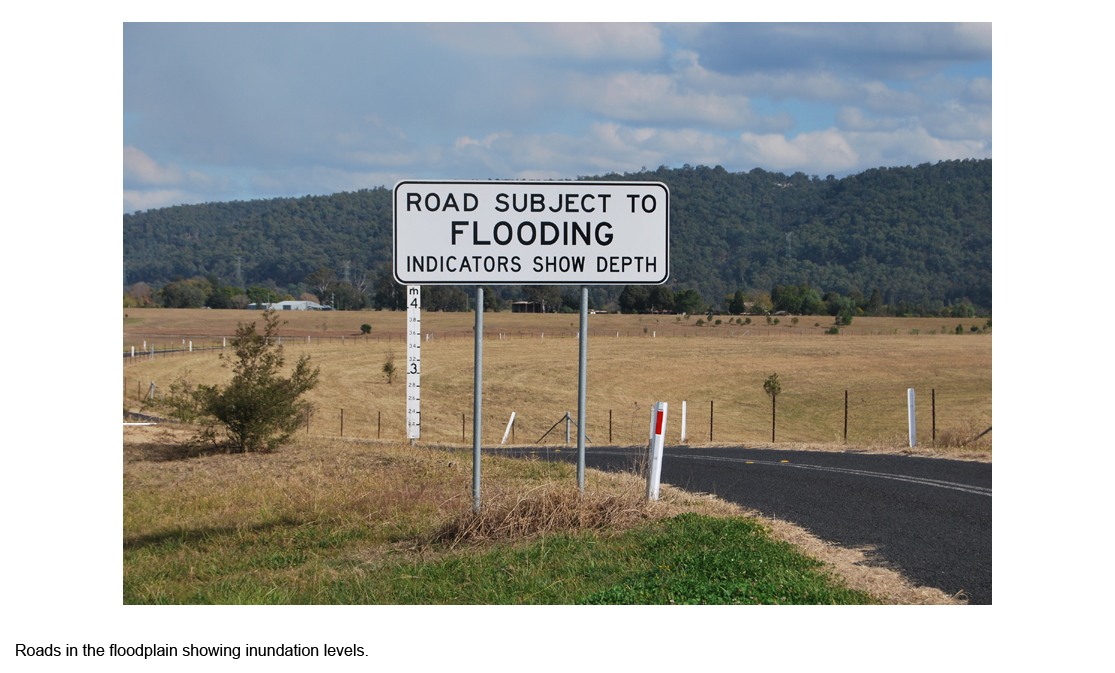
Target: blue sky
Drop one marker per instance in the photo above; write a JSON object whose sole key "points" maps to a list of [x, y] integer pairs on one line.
{"points": [[215, 112]]}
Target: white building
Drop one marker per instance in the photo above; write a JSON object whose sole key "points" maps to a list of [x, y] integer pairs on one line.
{"points": [[292, 305]]}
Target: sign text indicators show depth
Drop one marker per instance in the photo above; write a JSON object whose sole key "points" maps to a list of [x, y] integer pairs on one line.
{"points": [[531, 233]]}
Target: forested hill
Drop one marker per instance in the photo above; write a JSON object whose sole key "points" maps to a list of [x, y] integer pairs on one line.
{"points": [[921, 235]]}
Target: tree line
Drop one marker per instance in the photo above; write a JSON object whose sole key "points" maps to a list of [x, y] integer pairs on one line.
{"points": [[920, 235]]}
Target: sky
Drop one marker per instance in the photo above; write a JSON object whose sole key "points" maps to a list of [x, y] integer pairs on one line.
{"points": [[218, 112]]}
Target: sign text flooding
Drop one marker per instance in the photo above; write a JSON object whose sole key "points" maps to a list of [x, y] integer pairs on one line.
{"points": [[531, 233]]}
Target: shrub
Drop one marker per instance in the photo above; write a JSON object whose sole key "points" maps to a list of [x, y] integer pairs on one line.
{"points": [[973, 328], [700, 322], [182, 403], [846, 319], [717, 322], [259, 408], [772, 386], [777, 320], [365, 329], [959, 329], [747, 321], [833, 330], [794, 321], [389, 369]]}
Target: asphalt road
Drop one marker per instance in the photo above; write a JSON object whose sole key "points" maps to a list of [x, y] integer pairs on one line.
{"points": [[928, 518]]}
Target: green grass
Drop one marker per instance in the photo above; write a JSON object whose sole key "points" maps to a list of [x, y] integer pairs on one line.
{"points": [[689, 558], [704, 560]]}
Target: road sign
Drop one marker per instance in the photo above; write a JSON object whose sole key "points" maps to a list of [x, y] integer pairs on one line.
{"points": [[531, 233]]}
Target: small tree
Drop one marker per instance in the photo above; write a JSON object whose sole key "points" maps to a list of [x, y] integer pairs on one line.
{"points": [[389, 369], [773, 387], [259, 408], [365, 329]]}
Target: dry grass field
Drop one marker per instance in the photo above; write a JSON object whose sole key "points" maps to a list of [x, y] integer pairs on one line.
{"points": [[536, 377], [169, 327]]}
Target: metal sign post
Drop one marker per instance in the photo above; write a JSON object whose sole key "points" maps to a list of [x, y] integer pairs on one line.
{"points": [[582, 385], [477, 385], [414, 362]]}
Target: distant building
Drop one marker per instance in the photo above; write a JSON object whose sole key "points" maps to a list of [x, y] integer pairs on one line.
{"points": [[528, 307], [289, 305]]}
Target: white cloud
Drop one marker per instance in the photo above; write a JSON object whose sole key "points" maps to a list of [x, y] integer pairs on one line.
{"points": [[150, 184], [623, 42], [666, 99], [954, 121], [879, 97], [465, 141], [978, 90], [322, 180], [826, 150], [142, 169], [135, 199], [912, 146]]}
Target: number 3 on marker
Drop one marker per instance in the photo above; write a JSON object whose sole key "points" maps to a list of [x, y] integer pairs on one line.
{"points": [[413, 368]]}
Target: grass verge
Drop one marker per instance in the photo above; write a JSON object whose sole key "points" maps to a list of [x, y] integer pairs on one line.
{"points": [[330, 522]]}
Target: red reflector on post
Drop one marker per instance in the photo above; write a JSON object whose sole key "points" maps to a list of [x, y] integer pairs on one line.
{"points": [[658, 424]]}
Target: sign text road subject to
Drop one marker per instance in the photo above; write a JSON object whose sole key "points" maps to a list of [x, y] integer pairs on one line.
{"points": [[532, 233]]}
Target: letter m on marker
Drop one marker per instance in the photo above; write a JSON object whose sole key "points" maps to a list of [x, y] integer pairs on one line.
{"points": [[412, 290]]}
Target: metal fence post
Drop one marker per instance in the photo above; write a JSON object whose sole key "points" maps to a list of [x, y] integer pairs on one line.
{"points": [[911, 414], [933, 394]]}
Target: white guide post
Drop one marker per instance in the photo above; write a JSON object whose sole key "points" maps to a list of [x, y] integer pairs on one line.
{"points": [[683, 422], [912, 416], [133, 351], [414, 361], [191, 346], [508, 430], [658, 430]]}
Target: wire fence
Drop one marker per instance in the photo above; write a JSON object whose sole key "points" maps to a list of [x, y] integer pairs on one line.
{"points": [[943, 417], [137, 349]]}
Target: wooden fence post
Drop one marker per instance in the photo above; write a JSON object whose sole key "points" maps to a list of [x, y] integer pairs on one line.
{"points": [[342, 422], [773, 415], [711, 409], [845, 416]]}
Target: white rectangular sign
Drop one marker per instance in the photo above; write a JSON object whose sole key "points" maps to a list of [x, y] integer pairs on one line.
{"points": [[531, 233], [414, 361]]}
